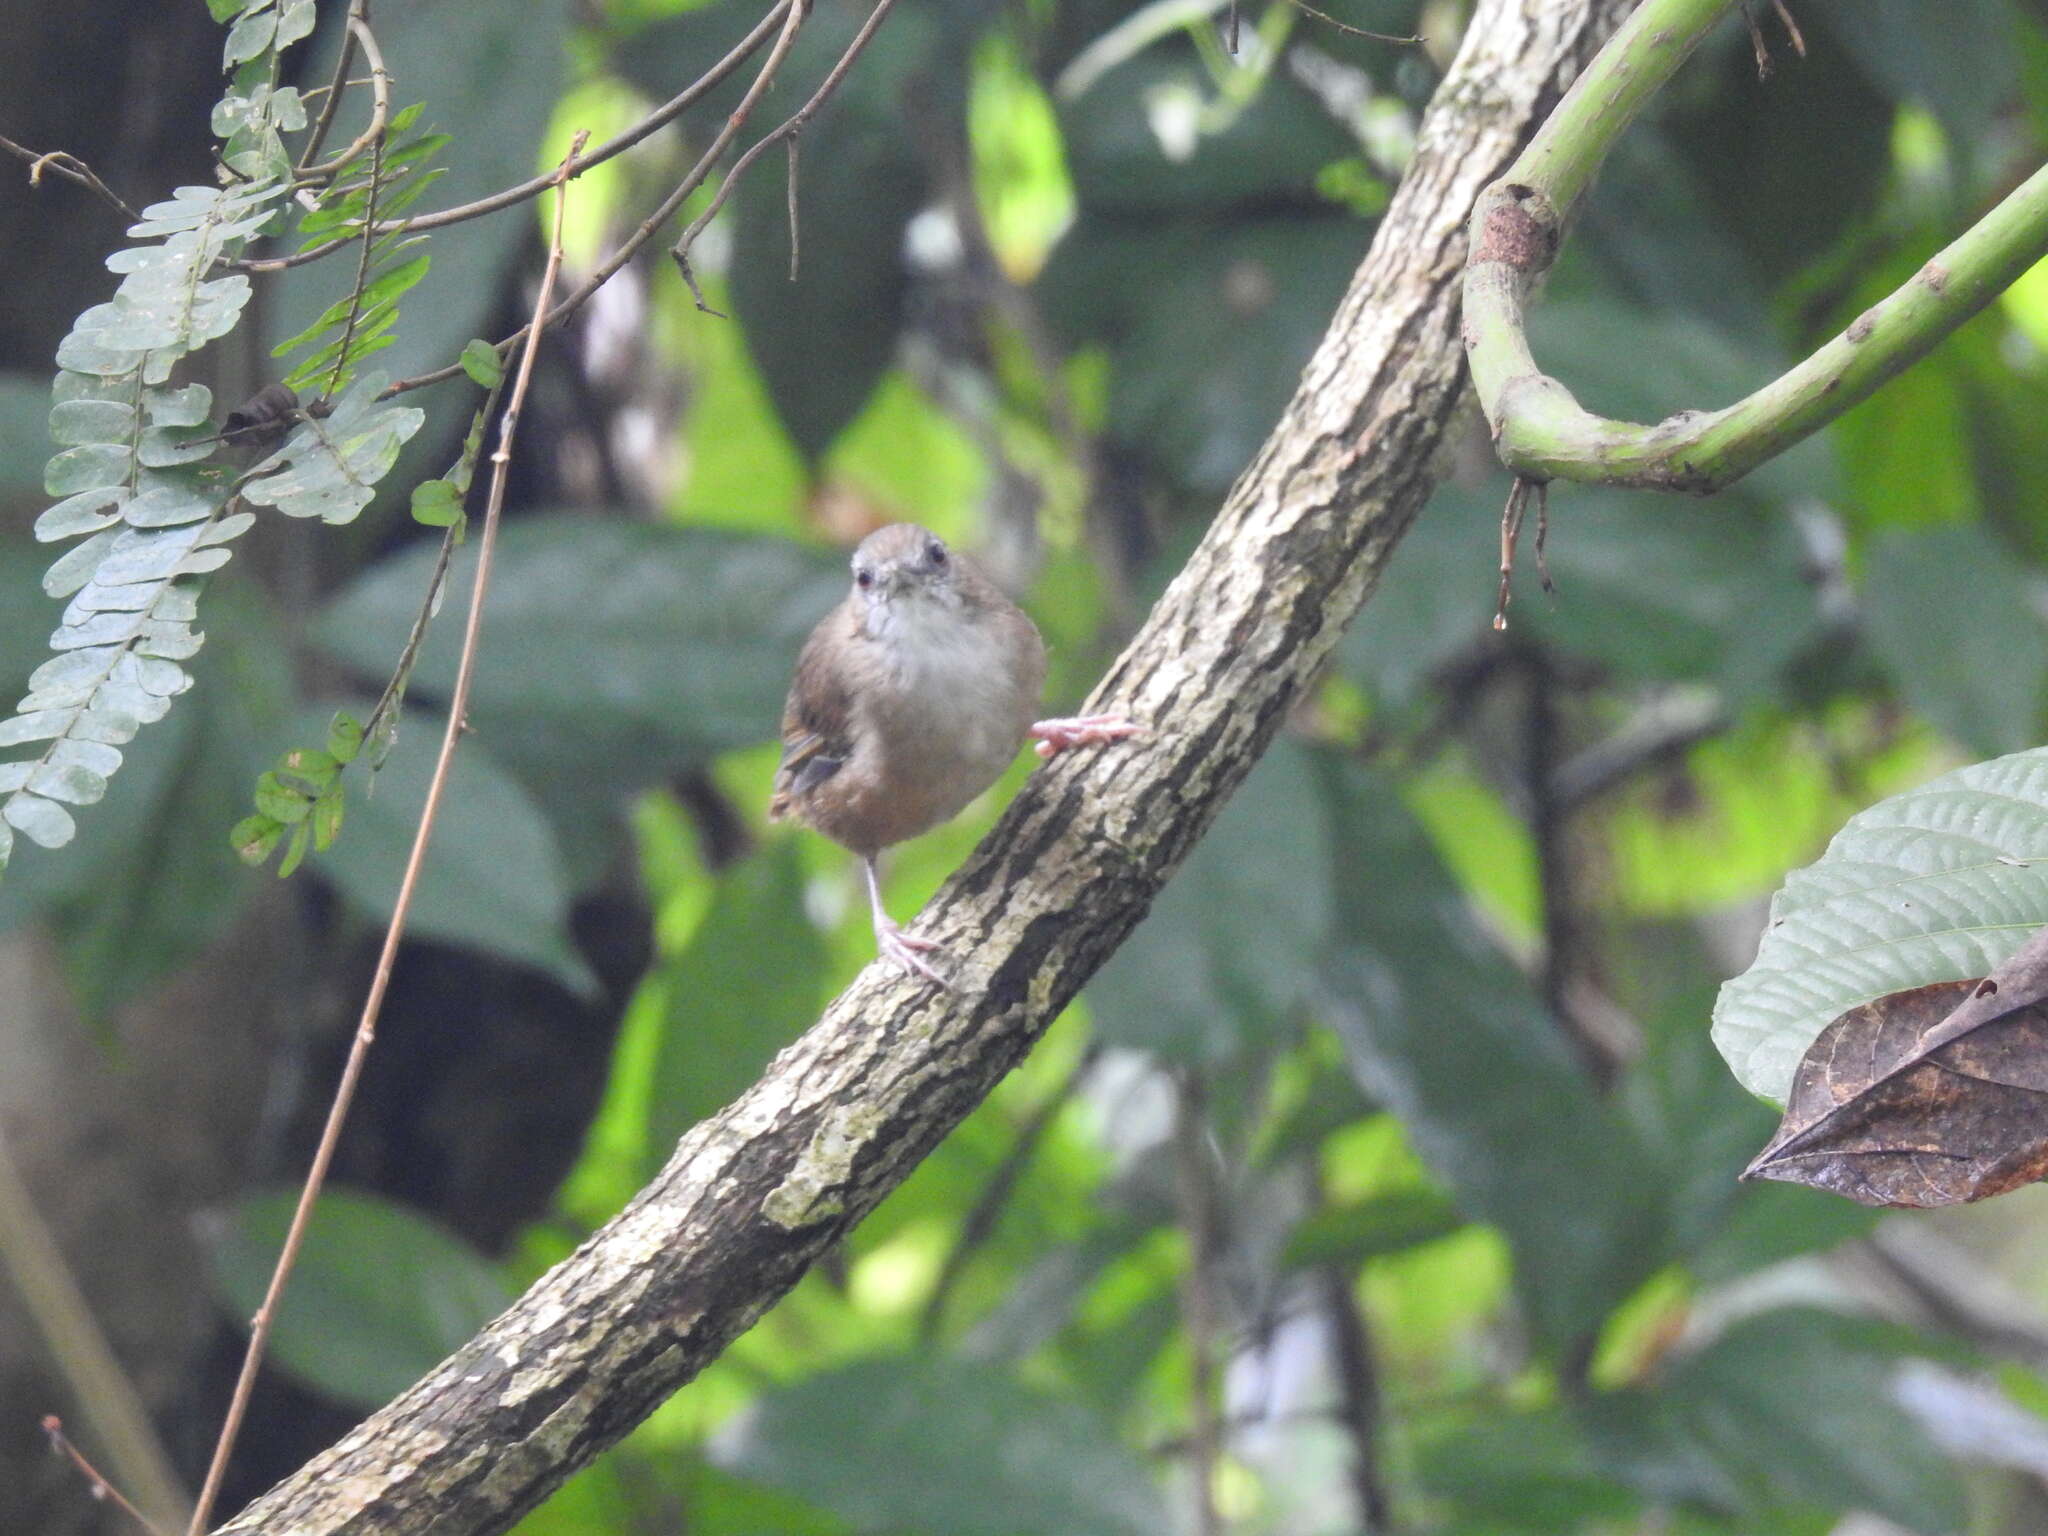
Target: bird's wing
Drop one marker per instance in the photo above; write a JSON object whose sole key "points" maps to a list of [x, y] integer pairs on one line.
{"points": [[817, 720]]}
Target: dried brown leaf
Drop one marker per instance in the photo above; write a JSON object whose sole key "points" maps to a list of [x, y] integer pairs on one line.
{"points": [[1933, 1096]]}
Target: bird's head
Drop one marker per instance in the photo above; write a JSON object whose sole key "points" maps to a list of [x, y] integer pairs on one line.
{"points": [[904, 569]]}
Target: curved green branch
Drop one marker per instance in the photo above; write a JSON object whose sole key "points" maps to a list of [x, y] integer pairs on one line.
{"points": [[1542, 431]]}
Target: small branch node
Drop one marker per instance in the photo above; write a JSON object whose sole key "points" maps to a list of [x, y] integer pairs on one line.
{"points": [[102, 1490], [683, 266]]}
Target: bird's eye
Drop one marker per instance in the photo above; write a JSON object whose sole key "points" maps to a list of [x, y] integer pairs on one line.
{"points": [[864, 578], [935, 555]]}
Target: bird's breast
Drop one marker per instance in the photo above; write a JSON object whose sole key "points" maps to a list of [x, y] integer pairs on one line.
{"points": [[961, 690]]}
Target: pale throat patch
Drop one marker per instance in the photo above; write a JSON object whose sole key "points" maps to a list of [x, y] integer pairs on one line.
{"points": [[961, 668]]}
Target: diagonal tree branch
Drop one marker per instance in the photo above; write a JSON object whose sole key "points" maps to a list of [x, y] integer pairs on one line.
{"points": [[757, 1193]]}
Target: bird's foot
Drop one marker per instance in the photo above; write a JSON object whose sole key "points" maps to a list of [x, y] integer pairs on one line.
{"points": [[908, 951], [1056, 736]]}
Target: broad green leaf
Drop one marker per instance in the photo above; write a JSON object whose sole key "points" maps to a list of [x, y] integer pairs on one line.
{"points": [[967, 1450], [493, 877], [1223, 962], [1785, 172], [1936, 884], [851, 282], [1351, 1234], [1523, 1472], [745, 986], [1445, 1032], [1209, 326], [1962, 62], [380, 1296], [1793, 1407], [1148, 139], [1947, 610], [616, 650]]}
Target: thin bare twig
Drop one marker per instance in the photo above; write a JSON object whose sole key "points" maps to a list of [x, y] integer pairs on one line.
{"points": [[789, 129], [667, 209], [1345, 27], [71, 168], [1510, 530], [53, 1427], [358, 10], [1791, 27], [793, 234], [380, 106], [510, 197], [84, 1361], [380, 981]]}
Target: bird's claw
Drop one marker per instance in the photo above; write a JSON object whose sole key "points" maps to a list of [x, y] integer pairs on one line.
{"points": [[1056, 736], [907, 950]]}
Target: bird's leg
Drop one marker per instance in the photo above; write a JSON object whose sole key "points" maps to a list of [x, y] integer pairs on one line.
{"points": [[892, 942], [1055, 736]]}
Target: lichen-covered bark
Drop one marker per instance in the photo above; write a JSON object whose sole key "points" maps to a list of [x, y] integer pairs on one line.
{"points": [[755, 1194]]}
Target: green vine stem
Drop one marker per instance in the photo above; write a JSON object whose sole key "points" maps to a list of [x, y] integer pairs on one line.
{"points": [[1542, 432]]}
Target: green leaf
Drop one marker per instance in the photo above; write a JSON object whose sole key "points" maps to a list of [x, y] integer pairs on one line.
{"points": [[1266, 152], [480, 360], [436, 503], [1365, 1229], [1525, 1472], [1937, 884], [1946, 609], [344, 736], [249, 37], [968, 1450], [1225, 959], [1963, 63], [493, 879], [619, 650], [91, 468], [1797, 1406], [330, 468], [380, 1295], [327, 816], [743, 988], [852, 280], [150, 882], [295, 849], [1444, 1031], [1196, 401], [255, 838], [494, 82]]}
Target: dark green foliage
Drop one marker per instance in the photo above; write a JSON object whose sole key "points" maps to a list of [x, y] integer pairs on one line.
{"points": [[933, 1424], [360, 1334]]}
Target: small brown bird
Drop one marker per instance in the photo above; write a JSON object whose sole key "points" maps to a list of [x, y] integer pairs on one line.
{"points": [[911, 698]]}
